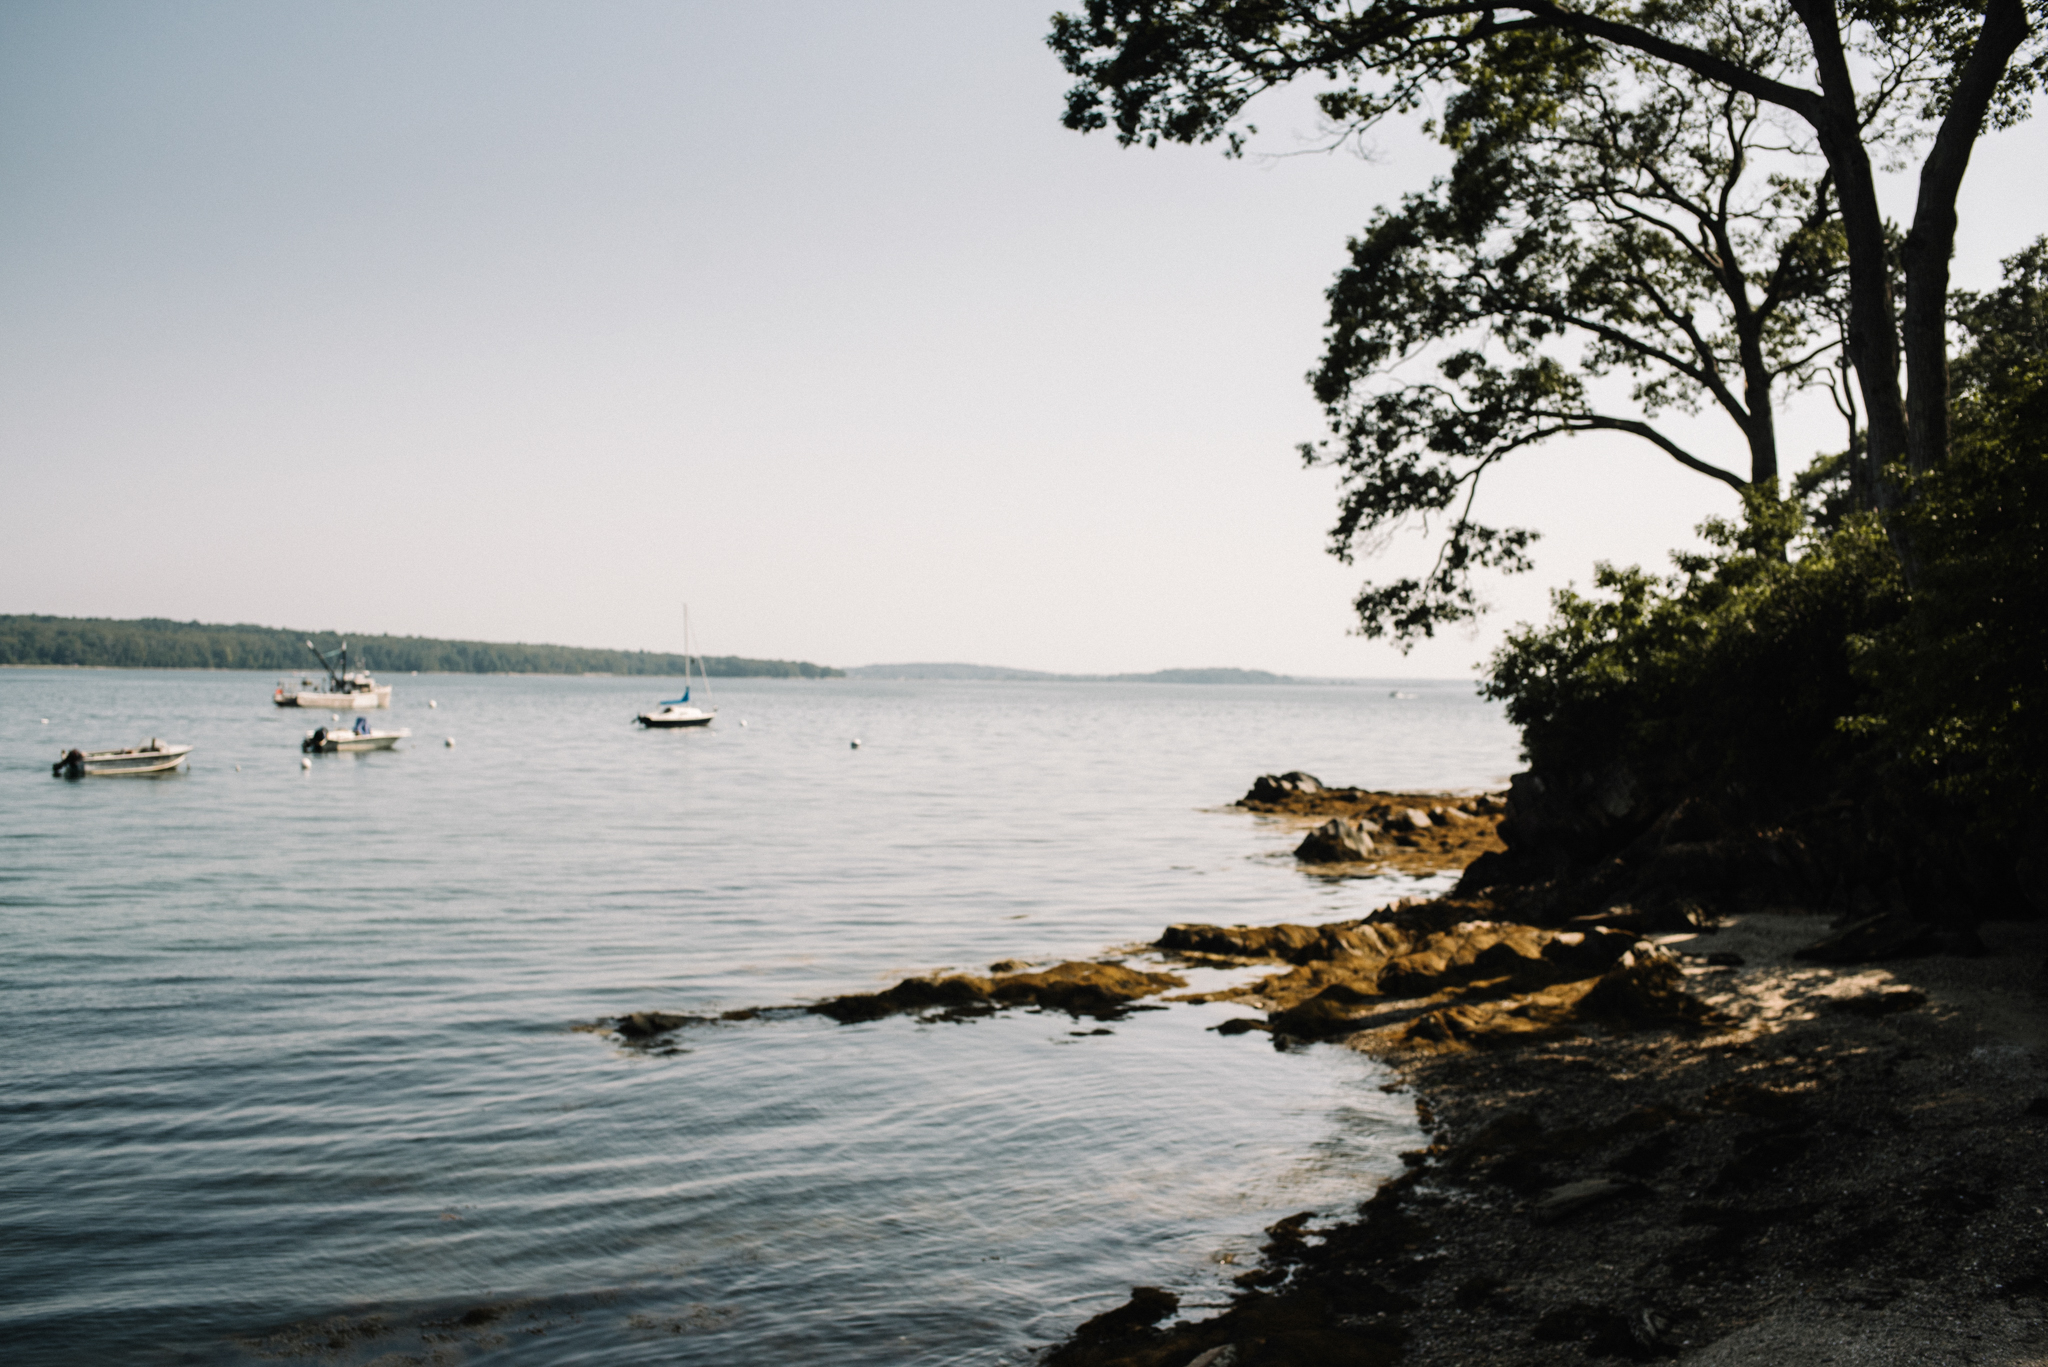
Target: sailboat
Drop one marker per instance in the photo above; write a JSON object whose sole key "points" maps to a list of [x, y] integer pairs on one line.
{"points": [[681, 711]]}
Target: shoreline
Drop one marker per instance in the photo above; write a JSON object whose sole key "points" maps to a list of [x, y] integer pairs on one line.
{"points": [[1667, 1135]]}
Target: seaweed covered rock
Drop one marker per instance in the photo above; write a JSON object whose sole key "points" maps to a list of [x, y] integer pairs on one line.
{"points": [[1079, 988]]}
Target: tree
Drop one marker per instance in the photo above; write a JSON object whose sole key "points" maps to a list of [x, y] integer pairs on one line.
{"points": [[1596, 221], [1865, 83], [1961, 686]]}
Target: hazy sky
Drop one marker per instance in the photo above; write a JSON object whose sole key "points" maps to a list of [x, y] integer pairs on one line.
{"points": [[523, 321]]}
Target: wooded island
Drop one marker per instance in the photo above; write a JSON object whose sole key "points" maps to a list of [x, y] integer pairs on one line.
{"points": [[158, 643]]}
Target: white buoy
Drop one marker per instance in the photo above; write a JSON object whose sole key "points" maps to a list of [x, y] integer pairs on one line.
{"points": [[238, 768], [450, 742], [305, 764], [432, 703], [743, 721], [856, 743], [46, 722]]}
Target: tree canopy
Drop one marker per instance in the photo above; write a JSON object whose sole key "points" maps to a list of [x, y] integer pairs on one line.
{"points": [[1680, 193]]}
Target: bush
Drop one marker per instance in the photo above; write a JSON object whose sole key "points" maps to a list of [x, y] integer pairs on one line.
{"points": [[1960, 688], [1728, 678], [1790, 664]]}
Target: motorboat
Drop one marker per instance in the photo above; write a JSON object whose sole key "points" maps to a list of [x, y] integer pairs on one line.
{"points": [[153, 758], [681, 711], [328, 741], [344, 688]]}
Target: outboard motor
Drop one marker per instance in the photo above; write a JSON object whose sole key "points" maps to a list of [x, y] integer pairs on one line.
{"points": [[315, 742], [71, 766]]}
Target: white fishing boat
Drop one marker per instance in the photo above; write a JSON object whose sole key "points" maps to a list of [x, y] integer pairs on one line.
{"points": [[345, 689], [326, 741], [153, 758], [681, 711]]}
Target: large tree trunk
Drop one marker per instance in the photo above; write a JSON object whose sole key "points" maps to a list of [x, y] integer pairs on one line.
{"points": [[1873, 332], [1932, 241]]}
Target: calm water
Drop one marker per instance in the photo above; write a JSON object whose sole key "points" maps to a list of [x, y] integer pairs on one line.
{"points": [[288, 1071]]}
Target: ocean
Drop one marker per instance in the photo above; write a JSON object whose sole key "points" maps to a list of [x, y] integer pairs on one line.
{"points": [[289, 1071]]}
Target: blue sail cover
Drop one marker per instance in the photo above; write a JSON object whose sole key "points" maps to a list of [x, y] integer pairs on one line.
{"points": [[671, 702]]}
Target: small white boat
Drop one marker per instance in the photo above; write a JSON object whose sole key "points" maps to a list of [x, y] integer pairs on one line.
{"points": [[328, 742], [679, 711], [153, 758], [345, 688]]}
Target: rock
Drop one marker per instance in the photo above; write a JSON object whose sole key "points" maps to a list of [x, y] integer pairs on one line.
{"points": [[1893, 934], [1413, 819], [639, 1027], [1638, 1335], [912, 994], [1451, 814], [1331, 1011], [1562, 1202], [1645, 987], [1726, 958], [1240, 942], [1336, 841], [1147, 1306], [1515, 958], [1078, 988], [1225, 1356], [1280, 787], [1083, 989]]}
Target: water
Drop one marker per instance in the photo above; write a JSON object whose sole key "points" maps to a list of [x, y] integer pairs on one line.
{"points": [[288, 1071]]}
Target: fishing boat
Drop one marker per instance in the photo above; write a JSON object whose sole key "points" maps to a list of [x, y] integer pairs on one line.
{"points": [[153, 758], [345, 688], [681, 711], [326, 741]]}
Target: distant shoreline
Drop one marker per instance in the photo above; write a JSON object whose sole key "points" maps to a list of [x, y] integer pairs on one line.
{"points": [[422, 673], [837, 674], [160, 643]]}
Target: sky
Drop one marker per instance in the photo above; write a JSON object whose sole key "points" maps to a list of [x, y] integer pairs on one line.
{"points": [[527, 321]]}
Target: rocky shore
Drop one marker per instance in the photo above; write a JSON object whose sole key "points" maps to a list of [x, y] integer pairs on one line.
{"points": [[1359, 832], [1680, 1107], [1694, 1091]]}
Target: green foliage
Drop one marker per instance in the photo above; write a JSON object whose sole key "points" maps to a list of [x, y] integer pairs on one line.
{"points": [[155, 643], [1961, 688], [1790, 663], [1727, 677]]}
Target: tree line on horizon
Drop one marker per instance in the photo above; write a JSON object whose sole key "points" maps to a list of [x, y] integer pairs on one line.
{"points": [[158, 643]]}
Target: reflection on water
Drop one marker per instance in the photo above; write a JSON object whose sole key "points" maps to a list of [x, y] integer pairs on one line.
{"points": [[289, 1069]]}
